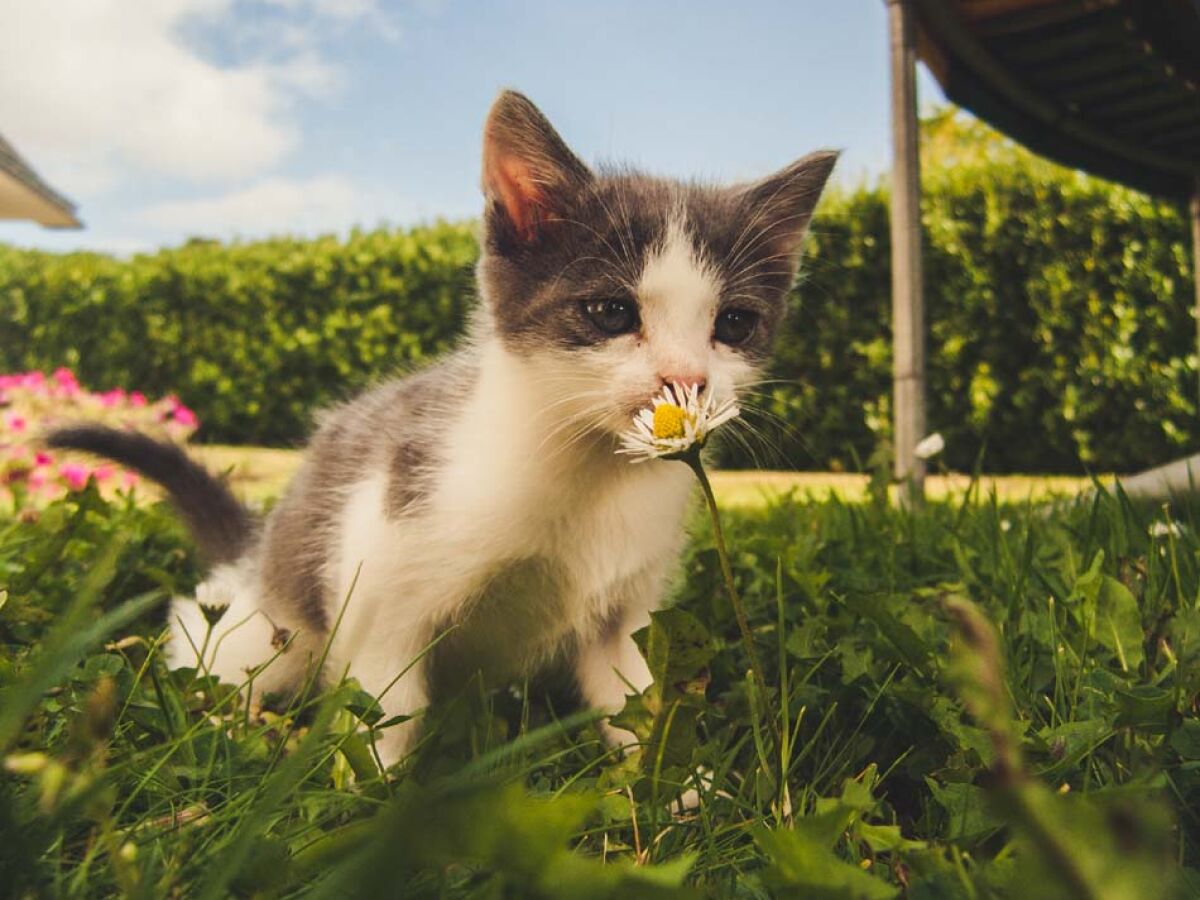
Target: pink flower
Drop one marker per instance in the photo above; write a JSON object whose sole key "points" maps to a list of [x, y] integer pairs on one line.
{"points": [[129, 479], [16, 422], [137, 398], [67, 384], [75, 474], [112, 398], [103, 472], [37, 479], [32, 379], [41, 458], [185, 416]]}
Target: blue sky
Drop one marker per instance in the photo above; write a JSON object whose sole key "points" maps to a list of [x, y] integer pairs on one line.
{"points": [[242, 118]]}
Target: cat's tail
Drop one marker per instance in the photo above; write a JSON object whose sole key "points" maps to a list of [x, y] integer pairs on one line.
{"points": [[222, 527]]}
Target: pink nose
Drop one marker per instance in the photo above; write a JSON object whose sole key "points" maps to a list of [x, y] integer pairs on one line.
{"points": [[686, 381]]}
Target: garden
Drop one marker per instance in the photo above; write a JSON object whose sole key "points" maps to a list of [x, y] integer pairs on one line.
{"points": [[989, 695]]}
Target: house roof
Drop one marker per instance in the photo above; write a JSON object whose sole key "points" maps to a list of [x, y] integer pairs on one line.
{"points": [[1109, 86], [23, 195]]}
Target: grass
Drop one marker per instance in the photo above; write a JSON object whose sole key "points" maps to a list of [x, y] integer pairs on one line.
{"points": [[993, 696]]}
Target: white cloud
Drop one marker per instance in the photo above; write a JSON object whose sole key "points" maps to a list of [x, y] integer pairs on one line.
{"points": [[344, 11], [95, 89], [270, 206]]}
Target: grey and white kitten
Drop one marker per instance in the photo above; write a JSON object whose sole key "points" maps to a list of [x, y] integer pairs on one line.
{"points": [[483, 492]]}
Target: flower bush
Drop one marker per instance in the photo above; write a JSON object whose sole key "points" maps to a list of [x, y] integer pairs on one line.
{"points": [[33, 403]]}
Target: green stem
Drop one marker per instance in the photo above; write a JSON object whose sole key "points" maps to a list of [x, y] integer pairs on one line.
{"points": [[693, 461]]}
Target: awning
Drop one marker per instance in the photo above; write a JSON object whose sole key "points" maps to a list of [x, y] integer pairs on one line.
{"points": [[23, 195], [1108, 86]]}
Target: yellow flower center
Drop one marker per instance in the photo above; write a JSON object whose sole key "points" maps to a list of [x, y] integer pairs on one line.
{"points": [[669, 421]]}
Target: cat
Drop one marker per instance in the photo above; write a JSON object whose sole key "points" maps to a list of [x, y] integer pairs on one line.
{"points": [[483, 492]]}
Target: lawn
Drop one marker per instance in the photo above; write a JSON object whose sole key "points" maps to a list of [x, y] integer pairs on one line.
{"points": [[993, 696]]}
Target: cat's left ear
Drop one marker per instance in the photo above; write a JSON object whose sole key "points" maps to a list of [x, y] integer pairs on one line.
{"points": [[779, 207], [529, 173]]}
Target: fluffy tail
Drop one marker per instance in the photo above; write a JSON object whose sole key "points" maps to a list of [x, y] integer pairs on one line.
{"points": [[221, 526]]}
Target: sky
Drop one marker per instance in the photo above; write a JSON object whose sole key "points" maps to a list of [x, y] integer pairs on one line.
{"points": [[168, 119]]}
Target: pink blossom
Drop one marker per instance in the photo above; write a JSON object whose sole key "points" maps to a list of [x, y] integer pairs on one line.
{"points": [[75, 474], [37, 479], [104, 471], [41, 458], [68, 385], [185, 416], [32, 379], [137, 398], [129, 479], [112, 398], [16, 422]]}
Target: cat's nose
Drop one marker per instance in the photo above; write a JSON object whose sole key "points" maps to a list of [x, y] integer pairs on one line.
{"points": [[699, 382]]}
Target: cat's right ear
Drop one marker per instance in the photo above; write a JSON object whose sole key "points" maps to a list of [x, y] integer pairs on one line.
{"points": [[529, 173]]}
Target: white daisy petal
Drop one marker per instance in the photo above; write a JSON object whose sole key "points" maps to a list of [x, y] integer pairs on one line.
{"points": [[694, 419]]}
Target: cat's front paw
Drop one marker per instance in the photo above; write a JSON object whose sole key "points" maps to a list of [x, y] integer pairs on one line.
{"points": [[617, 738]]}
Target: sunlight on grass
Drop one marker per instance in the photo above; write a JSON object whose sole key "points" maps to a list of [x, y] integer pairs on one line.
{"points": [[260, 473]]}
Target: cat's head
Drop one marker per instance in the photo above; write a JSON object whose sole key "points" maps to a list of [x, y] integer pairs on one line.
{"points": [[612, 283]]}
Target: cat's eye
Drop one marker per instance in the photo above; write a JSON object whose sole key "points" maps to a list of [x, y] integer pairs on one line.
{"points": [[734, 326], [613, 317]]}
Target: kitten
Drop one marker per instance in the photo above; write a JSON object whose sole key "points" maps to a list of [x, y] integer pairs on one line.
{"points": [[483, 492]]}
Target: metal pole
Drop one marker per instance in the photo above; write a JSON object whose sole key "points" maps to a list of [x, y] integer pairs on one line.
{"points": [[1195, 208], [908, 308]]}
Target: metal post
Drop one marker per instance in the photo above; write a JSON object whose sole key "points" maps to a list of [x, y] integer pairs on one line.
{"points": [[1195, 207], [908, 308]]}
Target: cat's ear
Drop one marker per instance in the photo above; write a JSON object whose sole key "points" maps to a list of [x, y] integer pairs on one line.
{"points": [[529, 173], [779, 208]]}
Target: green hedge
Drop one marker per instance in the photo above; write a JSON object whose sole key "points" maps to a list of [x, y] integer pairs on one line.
{"points": [[1061, 336], [254, 337]]}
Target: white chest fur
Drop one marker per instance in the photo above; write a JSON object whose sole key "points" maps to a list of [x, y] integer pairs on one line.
{"points": [[541, 526]]}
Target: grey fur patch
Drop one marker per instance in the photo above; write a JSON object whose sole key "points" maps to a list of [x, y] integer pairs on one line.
{"points": [[597, 244], [415, 428], [396, 427]]}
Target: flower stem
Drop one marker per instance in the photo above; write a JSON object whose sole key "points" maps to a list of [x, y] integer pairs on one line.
{"points": [[693, 461]]}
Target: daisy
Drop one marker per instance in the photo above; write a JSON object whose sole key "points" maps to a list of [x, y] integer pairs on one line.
{"points": [[677, 421]]}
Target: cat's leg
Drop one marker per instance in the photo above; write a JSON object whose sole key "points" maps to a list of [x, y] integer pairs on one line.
{"points": [[609, 665], [392, 671]]}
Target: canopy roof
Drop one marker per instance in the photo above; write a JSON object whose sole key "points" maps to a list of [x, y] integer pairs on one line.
{"points": [[23, 195], [1109, 86]]}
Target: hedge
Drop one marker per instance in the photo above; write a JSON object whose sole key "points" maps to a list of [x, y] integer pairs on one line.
{"points": [[1061, 332], [255, 336]]}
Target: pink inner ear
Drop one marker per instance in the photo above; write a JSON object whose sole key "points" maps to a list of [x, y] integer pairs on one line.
{"points": [[512, 181]]}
